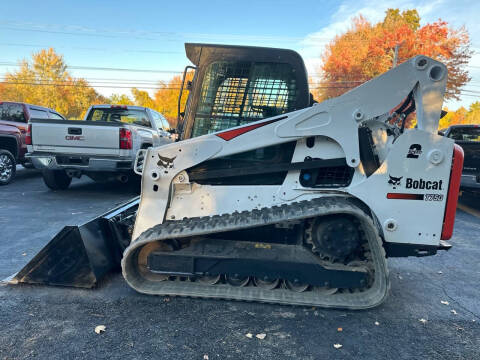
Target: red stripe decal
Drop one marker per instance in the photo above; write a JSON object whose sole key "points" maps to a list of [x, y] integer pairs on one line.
{"points": [[402, 196], [230, 134], [453, 188]]}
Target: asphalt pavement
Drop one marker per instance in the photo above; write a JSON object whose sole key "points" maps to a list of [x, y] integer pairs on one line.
{"points": [[58, 323]]}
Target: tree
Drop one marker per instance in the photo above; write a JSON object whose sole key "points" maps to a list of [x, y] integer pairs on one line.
{"points": [[45, 81], [166, 98], [462, 116], [367, 50], [142, 98], [117, 99]]}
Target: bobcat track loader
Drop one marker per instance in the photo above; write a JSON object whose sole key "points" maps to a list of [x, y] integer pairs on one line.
{"points": [[270, 198]]}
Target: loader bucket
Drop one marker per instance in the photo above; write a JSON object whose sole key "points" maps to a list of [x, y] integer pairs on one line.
{"points": [[81, 255]]}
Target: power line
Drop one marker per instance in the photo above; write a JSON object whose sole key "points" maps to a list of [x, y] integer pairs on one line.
{"points": [[6, 63], [95, 49], [166, 35]]}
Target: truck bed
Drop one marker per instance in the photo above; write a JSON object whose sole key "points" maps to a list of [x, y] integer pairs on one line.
{"points": [[76, 137]]}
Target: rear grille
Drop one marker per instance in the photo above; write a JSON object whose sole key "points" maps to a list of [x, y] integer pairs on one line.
{"points": [[337, 176], [327, 177]]}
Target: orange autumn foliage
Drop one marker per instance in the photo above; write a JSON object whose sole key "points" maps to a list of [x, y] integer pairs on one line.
{"points": [[367, 50]]}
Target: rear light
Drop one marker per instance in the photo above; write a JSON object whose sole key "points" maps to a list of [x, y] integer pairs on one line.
{"points": [[125, 139], [453, 189], [118, 107], [28, 135]]}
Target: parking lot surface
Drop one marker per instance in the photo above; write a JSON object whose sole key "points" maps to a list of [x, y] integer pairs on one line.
{"points": [[433, 311]]}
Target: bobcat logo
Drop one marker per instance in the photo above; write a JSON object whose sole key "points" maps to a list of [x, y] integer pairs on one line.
{"points": [[165, 162], [395, 181]]}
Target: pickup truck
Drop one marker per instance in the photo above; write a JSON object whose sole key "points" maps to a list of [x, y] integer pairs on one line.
{"points": [[14, 117], [468, 137], [102, 146]]}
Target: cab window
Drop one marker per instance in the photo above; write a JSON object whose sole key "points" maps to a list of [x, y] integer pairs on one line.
{"points": [[470, 134], [12, 112], [128, 116], [160, 121], [38, 114], [237, 93], [56, 116]]}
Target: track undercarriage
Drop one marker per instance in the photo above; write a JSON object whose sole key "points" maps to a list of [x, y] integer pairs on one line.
{"points": [[177, 257]]}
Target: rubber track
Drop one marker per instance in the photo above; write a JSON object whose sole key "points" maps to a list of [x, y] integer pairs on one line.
{"points": [[368, 298]]}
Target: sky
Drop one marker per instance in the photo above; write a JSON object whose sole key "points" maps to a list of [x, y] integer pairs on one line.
{"points": [[150, 34]]}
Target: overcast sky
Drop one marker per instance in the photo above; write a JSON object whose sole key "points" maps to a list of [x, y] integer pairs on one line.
{"points": [[150, 35]]}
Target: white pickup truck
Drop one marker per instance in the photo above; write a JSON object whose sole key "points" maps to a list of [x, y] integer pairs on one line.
{"points": [[102, 146]]}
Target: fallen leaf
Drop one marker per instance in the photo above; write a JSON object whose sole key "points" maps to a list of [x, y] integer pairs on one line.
{"points": [[423, 321], [24, 254], [444, 302], [453, 312], [377, 323], [260, 336], [249, 335], [100, 328], [340, 329], [337, 346], [205, 357]]}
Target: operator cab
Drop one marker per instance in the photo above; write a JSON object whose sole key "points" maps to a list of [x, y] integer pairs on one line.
{"points": [[236, 85]]}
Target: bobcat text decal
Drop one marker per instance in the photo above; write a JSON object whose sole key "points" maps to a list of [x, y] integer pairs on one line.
{"points": [[416, 184], [423, 184]]}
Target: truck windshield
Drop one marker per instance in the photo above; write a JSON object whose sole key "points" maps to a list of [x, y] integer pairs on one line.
{"points": [[465, 134], [129, 116]]}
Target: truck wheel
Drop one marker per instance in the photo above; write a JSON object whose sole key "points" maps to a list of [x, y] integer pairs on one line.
{"points": [[8, 167], [56, 179]]}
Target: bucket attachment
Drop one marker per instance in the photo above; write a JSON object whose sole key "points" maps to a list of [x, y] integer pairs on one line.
{"points": [[81, 255]]}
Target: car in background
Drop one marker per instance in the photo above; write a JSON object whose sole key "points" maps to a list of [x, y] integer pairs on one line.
{"points": [[468, 137], [14, 117], [102, 146]]}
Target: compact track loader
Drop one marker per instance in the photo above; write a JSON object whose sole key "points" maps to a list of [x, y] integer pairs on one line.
{"points": [[270, 198]]}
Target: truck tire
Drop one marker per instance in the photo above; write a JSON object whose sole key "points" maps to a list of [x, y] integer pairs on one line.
{"points": [[56, 179], [8, 167]]}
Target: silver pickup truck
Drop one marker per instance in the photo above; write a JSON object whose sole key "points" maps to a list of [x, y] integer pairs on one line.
{"points": [[102, 146]]}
